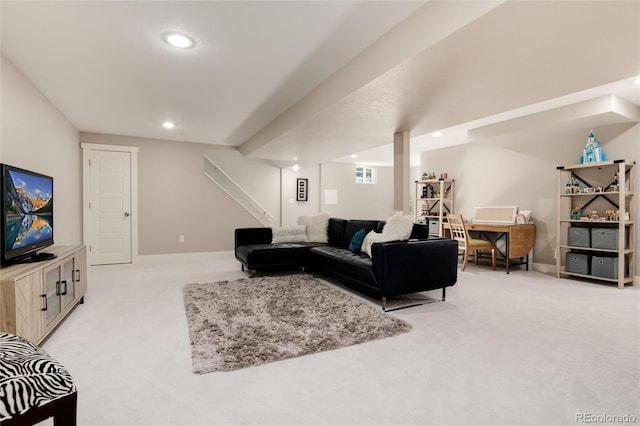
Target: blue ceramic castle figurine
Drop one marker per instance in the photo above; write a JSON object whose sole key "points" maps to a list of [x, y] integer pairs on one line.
{"points": [[592, 152]]}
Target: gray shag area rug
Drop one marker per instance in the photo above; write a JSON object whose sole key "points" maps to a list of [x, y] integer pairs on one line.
{"points": [[253, 321]]}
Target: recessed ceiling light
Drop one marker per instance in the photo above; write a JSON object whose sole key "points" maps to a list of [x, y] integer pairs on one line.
{"points": [[168, 125], [182, 41], [353, 156], [295, 167], [436, 134], [637, 81]]}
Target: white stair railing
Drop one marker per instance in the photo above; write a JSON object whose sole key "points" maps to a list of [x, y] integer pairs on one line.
{"points": [[228, 185]]}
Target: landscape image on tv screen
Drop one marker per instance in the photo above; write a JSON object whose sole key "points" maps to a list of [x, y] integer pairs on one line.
{"points": [[28, 209]]}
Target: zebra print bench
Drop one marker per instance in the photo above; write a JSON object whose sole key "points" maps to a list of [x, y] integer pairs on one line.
{"points": [[33, 386]]}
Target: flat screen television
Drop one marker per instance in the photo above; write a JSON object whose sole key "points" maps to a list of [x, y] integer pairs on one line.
{"points": [[26, 216]]}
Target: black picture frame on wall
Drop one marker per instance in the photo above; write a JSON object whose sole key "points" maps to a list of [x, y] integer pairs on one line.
{"points": [[302, 189]]}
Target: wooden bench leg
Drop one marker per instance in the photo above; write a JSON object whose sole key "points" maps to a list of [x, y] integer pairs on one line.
{"points": [[63, 411], [66, 410]]}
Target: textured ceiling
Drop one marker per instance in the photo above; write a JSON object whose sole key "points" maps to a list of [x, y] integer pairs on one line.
{"points": [[316, 81], [503, 61], [105, 67]]}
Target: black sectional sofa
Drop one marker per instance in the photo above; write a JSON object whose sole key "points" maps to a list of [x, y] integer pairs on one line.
{"points": [[394, 268]]}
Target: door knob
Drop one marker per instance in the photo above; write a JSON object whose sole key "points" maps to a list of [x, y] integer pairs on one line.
{"points": [[126, 214]]}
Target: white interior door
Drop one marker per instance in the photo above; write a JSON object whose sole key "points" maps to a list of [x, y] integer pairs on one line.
{"points": [[110, 207]]}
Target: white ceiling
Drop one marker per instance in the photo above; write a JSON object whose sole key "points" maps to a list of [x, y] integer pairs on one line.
{"points": [[316, 81]]}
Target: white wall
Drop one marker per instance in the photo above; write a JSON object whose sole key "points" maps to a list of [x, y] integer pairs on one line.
{"points": [[502, 171], [34, 135], [355, 201], [259, 178], [292, 209], [358, 201], [176, 198]]}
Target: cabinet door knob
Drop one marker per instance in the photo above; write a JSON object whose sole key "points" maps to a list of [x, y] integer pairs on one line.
{"points": [[126, 214]]}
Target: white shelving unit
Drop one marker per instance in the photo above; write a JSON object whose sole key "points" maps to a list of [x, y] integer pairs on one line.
{"points": [[434, 200], [597, 187]]}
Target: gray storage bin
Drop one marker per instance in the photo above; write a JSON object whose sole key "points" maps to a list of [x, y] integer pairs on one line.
{"points": [[434, 226], [604, 266], [577, 263], [579, 237], [604, 238]]}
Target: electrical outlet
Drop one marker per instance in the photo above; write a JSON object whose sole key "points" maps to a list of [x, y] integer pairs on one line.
{"points": [[181, 238]]}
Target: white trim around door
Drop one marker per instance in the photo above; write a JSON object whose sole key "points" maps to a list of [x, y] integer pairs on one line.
{"points": [[87, 149]]}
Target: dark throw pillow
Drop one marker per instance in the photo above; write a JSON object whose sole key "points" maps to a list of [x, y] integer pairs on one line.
{"points": [[356, 241]]}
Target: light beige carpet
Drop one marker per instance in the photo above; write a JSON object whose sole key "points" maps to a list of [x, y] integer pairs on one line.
{"points": [[253, 321]]}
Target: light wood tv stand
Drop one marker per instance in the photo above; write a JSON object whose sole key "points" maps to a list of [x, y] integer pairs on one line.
{"points": [[36, 297]]}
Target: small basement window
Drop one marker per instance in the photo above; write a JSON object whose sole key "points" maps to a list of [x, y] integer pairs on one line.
{"points": [[365, 174]]}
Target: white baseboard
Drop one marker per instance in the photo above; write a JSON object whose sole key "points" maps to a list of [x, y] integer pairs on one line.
{"points": [[213, 255], [545, 268]]}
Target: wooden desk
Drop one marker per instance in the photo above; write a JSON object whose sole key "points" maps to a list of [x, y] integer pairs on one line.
{"points": [[518, 239]]}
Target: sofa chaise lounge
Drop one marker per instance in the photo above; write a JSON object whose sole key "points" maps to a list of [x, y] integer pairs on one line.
{"points": [[394, 267]]}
